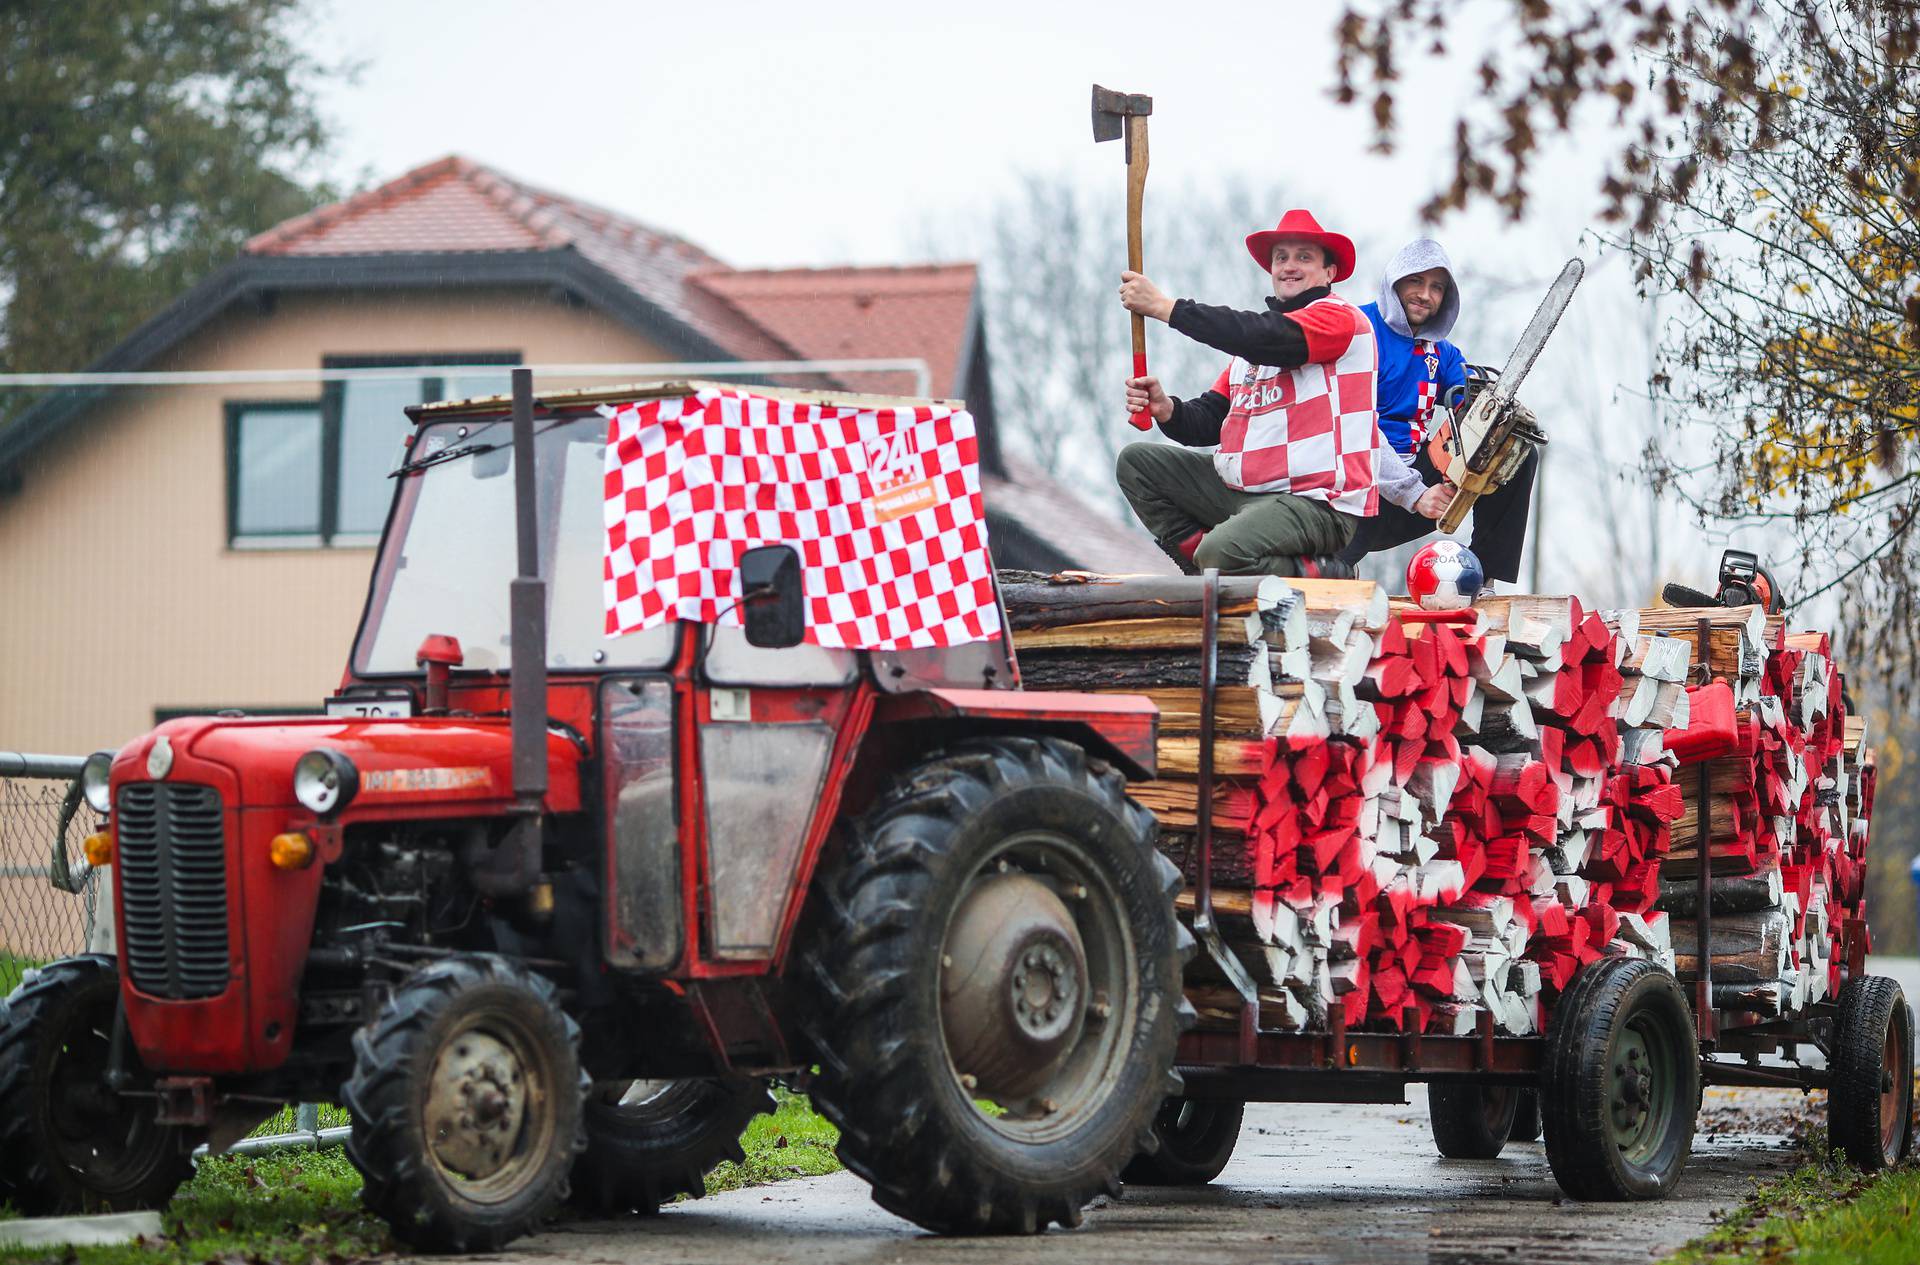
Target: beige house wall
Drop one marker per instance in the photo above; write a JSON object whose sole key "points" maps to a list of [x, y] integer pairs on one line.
{"points": [[118, 591]]}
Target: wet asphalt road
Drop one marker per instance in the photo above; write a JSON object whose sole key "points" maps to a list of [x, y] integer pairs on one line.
{"points": [[1343, 1185], [1308, 1183]]}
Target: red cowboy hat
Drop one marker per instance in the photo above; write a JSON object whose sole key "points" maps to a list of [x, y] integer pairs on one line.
{"points": [[1301, 224]]}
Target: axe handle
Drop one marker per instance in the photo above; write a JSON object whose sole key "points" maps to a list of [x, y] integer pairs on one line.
{"points": [[1136, 251]]}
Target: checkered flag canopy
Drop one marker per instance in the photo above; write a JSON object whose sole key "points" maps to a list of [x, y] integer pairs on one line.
{"points": [[883, 506]]}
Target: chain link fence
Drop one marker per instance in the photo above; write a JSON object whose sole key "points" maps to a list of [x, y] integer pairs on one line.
{"points": [[49, 899], [48, 896]]}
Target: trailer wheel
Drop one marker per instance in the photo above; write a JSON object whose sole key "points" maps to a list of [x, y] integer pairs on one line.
{"points": [[1622, 1079], [649, 1141], [1870, 1105], [1471, 1121], [466, 1096], [997, 968], [1196, 1141], [1526, 1118], [67, 1142]]}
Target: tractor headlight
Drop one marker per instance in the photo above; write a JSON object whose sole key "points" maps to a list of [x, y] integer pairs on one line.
{"points": [[324, 781], [93, 781]]}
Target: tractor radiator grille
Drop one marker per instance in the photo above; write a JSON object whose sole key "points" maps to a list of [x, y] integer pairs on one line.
{"points": [[172, 854]]}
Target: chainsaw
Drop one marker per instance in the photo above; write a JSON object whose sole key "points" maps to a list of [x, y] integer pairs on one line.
{"points": [[1492, 433], [1743, 581]]}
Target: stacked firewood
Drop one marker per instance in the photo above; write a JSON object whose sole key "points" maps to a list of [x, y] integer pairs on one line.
{"points": [[1421, 819], [1774, 842]]}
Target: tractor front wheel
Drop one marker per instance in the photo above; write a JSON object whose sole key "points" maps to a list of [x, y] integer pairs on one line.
{"points": [[998, 988], [466, 1096], [1196, 1141], [68, 1143]]}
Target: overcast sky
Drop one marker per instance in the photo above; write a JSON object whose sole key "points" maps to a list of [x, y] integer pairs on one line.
{"points": [[776, 133], [782, 134]]}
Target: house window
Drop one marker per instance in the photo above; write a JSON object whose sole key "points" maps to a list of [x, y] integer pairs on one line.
{"points": [[314, 472]]}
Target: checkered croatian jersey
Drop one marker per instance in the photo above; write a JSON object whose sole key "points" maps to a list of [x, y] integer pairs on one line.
{"points": [[883, 506], [1309, 431]]}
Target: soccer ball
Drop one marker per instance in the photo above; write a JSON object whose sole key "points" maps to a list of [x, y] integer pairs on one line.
{"points": [[1445, 576]]}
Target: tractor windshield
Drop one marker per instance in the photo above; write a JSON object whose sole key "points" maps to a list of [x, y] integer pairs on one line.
{"points": [[449, 552]]}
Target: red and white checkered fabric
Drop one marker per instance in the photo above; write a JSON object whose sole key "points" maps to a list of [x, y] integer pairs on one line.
{"points": [[883, 506], [1426, 391], [1310, 431]]}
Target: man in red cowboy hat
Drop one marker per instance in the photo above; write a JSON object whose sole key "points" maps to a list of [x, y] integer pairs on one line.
{"points": [[1300, 460]]}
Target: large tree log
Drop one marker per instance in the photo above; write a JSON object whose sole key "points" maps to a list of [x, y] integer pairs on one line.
{"points": [[1734, 935], [1076, 668], [1035, 601], [1734, 894], [1281, 1010], [1730, 856], [1233, 859], [1733, 968], [1362, 602], [1760, 999], [1171, 632], [1236, 708], [1232, 757], [1727, 814], [1739, 636]]}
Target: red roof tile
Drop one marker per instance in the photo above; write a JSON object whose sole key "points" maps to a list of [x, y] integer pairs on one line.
{"points": [[1095, 539], [864, 313], [456, 206]]}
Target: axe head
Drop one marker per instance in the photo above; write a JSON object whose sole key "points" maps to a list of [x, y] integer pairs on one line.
{"points": [[1111, 110]]}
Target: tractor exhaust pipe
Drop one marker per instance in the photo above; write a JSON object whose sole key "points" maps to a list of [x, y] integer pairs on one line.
{"points": [[528, 613], [513, 867]]}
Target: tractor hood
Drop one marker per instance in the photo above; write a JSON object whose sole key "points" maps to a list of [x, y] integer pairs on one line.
{"points": [[401, 764]]}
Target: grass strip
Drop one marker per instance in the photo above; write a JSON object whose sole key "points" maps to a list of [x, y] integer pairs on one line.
{"points": [[792, 1142], [1822, 1213], [303, 1207]]}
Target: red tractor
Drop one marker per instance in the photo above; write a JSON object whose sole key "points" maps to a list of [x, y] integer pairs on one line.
{"points": [[546, 911]]}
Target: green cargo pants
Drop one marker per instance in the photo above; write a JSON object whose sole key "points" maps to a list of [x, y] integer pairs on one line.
{"points": [[1175, 492]]}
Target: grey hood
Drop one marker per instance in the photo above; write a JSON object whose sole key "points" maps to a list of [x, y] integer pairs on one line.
{"points": [[1418, 256]]}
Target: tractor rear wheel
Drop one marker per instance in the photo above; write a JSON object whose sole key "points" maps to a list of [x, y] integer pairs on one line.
{"points": [[1870, 1105], [1196, 1141], [1471, 1121], [997, 968], [1622, 1082], [650, 1141], [466, 1096], [68, 1143]]}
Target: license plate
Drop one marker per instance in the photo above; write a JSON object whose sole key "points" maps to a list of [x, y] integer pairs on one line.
{"points": [[370, 706]]}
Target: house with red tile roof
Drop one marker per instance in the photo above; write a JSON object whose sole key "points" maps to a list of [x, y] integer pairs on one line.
{"points": [[177, 548]]}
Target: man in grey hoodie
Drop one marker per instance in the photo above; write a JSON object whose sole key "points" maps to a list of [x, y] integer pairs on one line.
{"points": [[1418, 304]]}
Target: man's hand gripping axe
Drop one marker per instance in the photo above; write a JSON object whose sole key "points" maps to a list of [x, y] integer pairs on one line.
{"points": [[1116, 114]]}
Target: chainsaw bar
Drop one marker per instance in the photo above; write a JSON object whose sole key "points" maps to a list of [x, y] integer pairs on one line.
{"points": [[1545, 318], [1488, 441]]}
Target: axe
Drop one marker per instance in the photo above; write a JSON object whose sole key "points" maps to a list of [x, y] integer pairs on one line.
{"points": [[1116, 114]]}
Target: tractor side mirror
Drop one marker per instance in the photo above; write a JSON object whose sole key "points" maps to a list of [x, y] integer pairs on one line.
{"points": [[775, 605]]}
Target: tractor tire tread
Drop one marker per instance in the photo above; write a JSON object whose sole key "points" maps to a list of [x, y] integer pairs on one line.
{"points": [[871, 1083], [394, 1183], [29, 1179]]}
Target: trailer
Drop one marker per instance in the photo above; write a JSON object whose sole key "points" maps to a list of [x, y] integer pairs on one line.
{"points": [[1613, 1081]]}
